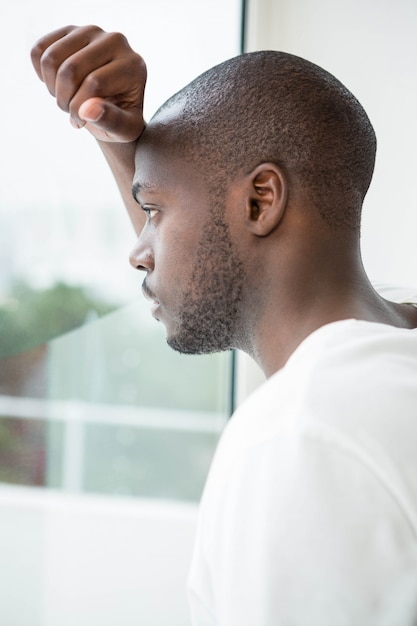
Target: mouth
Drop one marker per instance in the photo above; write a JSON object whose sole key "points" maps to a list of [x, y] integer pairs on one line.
{"points": [[149, 295]]}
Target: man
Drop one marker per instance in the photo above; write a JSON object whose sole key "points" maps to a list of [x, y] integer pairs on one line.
{"points": [[248, 186]]}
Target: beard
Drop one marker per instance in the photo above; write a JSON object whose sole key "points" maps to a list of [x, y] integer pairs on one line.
{"points": [[208, 319]]}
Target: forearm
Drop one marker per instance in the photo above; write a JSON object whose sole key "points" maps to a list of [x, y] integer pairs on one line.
{"points": [[121, 160], [103, 96]]}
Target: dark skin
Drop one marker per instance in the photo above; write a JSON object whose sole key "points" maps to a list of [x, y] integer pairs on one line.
{"points": [[299, 274], [78, 66]]}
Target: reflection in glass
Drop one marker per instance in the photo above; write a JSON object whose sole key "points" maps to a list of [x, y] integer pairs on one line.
{"points": [[105, 433], [110, 408]]}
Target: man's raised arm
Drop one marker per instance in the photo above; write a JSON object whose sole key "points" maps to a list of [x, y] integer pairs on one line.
{"points": [[99, 80]]}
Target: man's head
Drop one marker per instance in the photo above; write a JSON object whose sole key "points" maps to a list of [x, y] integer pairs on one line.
{"points": [[269, 125], [272, 106]]}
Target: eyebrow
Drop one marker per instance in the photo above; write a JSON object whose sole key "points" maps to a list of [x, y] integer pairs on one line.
{"points": [[137, 187]]}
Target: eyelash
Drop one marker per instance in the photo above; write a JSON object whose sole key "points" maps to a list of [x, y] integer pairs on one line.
{"points": [[150, 212]]}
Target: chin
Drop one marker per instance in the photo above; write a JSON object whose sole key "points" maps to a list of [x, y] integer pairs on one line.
{"points": [[184, 347], [194, 345]]}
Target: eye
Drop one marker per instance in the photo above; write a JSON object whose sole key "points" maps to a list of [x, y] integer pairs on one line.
{"points": [[149, 211]]}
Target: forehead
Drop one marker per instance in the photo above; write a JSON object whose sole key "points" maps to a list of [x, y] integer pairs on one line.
{"points": [[153, 167], [159, 166], [162, 172]]}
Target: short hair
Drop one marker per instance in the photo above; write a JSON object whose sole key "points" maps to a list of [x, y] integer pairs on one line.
{"points": [[271, 106]]}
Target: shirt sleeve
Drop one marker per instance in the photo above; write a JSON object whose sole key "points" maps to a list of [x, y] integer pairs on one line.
{"points": [[302, 532]]}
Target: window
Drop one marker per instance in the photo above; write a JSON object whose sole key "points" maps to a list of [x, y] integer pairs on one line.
{"points": [[106, 435]]}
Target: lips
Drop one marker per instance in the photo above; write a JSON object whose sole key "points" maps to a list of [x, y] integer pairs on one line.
{"points": [[149, 294]]}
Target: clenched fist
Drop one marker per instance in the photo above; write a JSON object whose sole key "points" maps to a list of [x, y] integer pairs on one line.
{"points": [[96, 77]]}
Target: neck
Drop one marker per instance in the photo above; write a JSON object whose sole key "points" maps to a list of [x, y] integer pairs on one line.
{"points": [[303, 301]]}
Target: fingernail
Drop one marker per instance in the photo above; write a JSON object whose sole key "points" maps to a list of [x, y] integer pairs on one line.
{"points": [[74, 124], [91, 112]]}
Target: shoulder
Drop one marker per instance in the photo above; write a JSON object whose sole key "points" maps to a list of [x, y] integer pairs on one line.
{"points": [[346, 375], [353, 370], [297, 512], [314, 471], [346, 399]]}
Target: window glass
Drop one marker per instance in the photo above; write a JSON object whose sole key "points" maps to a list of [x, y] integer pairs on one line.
{"points": [[110, 408], [106, 434]]}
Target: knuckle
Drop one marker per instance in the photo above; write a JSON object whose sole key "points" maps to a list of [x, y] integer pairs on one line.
{"points": [[49, 61], [36, 52], [116, 40], [62, 103], [141, 64], [92, 30], [67, 72], [92, 83]]}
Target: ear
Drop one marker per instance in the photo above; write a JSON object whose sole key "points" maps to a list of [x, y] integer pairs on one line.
{"points": [[266, 199]]}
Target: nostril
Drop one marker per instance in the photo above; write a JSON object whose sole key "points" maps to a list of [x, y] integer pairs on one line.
{"points": [[141, 261], [141, 257]]}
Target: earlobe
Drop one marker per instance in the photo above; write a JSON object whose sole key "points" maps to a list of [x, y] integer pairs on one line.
{"points": [[266, 201]]}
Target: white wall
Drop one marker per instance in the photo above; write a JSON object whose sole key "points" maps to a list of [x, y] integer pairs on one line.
{"points": [[371, 46]]}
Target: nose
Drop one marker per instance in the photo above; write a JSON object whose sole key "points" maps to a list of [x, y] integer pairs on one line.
{"points": [[141, 257]]}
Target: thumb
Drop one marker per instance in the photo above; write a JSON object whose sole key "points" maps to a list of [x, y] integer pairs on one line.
{"points": [[109, 122]]}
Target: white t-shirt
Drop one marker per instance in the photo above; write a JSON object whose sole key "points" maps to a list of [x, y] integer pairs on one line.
{"points": [[309, 515]]}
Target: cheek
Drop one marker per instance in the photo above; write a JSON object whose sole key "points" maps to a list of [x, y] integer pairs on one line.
{"points": [[175, 253], [173, 245]]}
